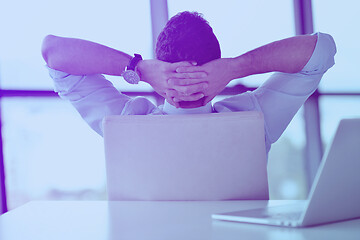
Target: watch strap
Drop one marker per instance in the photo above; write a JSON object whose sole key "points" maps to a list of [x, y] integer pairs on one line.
{"points": [[134, 61]]}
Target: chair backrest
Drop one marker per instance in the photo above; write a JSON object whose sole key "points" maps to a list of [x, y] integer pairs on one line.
{"points": [[218, 156]]}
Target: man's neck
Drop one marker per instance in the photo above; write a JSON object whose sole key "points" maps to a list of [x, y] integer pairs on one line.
{"points": [[192, 104], [172, 110]]}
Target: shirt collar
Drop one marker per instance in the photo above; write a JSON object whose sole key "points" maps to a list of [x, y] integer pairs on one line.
{"points": [[172, 110]]}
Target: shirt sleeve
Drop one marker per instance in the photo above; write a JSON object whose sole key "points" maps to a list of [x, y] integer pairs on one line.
{"points": [[282, 95], [94, 97]]}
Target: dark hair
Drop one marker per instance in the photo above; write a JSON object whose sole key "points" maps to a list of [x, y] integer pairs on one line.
{"points": [[187, 36]]}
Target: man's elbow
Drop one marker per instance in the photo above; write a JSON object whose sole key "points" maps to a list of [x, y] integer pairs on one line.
{"points": [[47, 49]]}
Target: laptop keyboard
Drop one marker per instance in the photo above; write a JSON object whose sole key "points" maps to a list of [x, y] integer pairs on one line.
{"points": [[287, 215], [290, 212]]}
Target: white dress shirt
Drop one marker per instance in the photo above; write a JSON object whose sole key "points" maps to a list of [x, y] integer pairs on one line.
{"points": [[278, 98]]}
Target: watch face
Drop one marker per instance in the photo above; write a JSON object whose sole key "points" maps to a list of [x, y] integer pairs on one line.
{"points": [[131, 77]]}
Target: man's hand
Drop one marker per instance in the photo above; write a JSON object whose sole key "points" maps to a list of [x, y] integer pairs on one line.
{"points": [[171, 84], [219, 73], [289, 55]]}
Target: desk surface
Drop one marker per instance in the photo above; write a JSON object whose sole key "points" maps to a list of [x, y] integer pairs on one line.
{"points": [[152, 220]]}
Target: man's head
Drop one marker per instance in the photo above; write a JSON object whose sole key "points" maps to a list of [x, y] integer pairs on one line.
{"points": [[187, 36]]}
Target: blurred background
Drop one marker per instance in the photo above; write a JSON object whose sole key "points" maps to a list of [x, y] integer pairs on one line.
{"points": [[50, 153]]}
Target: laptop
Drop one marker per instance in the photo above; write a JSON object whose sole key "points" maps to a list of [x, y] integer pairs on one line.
{"points": [[217, 156], [335, 193]]}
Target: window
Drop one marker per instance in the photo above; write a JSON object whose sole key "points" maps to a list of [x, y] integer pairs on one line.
{"points": [[23, 29], [49, 152], [332, 110], [286, 168], [336, 18], [342, 80]]}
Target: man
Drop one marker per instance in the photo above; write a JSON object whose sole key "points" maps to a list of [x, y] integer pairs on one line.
{"points": [[189, 72]]}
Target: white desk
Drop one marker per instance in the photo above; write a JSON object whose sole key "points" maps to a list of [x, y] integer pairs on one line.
{"points": [[88, 220]]}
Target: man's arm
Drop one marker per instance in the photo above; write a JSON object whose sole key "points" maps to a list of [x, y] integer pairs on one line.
{"points": [[288, 55], [81, 57]]}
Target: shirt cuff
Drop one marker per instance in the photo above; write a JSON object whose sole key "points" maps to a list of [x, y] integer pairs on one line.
{"points": [[63, 82], [323, 56]]}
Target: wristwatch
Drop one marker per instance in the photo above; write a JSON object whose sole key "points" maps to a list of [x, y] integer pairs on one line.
{"points": [[130, 75]]}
